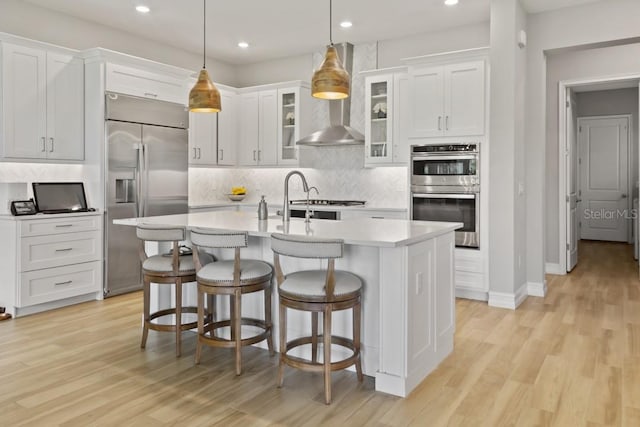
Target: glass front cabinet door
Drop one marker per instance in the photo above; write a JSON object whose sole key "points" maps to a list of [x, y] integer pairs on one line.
{"points": [[379, 119], [288, 125]]}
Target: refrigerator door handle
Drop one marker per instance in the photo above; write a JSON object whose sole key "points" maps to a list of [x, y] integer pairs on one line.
{"points": [[139, 180]]}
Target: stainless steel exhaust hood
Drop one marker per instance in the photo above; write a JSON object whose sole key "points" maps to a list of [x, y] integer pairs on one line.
{"points": [[339, 133]]}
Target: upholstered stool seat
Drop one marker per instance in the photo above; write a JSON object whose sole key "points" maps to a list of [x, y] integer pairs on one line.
{"points": [[310, 286], [221, 273], [171, 269], [317, 291], [233, 278]]}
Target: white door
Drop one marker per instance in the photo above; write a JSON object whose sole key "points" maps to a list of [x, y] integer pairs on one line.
{"points": [[202, 138], [248, 116], [227, 129], [268, 127], [427, 105], [604, 178], [571, 169], [464, 99], [24, 102], [65, 107]]}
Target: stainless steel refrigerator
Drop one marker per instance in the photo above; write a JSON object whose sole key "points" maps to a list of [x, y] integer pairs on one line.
{"points": [[146, 175]]}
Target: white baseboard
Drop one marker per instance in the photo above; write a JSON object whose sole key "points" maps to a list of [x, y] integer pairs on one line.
{"points": [[537, 289], [552, 268], [508, 300], [472, 294]]}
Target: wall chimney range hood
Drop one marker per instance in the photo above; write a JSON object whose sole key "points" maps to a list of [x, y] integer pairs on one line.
{"points": [[339, 133]]}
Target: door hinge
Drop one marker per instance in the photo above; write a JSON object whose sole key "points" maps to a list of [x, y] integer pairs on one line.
{"points": [[568, 104], [567, 246]]}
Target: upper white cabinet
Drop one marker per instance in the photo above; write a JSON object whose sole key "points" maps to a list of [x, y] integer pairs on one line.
{"points": [[270, 121], [146, 83], [42, 104], [203, 135], [447, 100], [386, 117], [293, 121], [227, 129]]}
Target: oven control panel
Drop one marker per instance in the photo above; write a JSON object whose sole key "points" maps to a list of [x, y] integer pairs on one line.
{"points": [[448, 148]]}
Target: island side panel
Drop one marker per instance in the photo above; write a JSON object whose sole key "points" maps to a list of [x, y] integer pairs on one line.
{"points": [[417, 308]]}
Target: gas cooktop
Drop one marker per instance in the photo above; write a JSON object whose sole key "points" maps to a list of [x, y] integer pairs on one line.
{"points": [[328, 202]]}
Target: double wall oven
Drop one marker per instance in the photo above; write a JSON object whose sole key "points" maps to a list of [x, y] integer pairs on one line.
{"points": [[445, 186]]}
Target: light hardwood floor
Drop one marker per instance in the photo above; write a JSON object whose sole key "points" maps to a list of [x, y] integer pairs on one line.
{"points": [[570, 359]]}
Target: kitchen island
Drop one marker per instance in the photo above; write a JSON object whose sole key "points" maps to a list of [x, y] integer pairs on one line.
{"points": [[408, 272]]}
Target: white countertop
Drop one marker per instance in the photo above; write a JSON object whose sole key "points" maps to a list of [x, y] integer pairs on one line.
{"points": [[360, 231]]}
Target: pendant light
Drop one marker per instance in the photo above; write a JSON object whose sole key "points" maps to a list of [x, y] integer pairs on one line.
{"points": [[204, 97], [331, 80]]}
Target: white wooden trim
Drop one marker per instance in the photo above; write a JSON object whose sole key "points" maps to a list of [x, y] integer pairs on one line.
{"points": [[537, 289], [553, 268], [562, 144], [507, 299], [473, 294]]}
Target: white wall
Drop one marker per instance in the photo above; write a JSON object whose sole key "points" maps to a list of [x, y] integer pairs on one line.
{"points": [[609, 61], [30, 21], [506, 219], [610, 21]]}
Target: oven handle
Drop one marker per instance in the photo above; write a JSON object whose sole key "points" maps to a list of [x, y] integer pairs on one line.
{"points": [[445, 157], [444, 196]]}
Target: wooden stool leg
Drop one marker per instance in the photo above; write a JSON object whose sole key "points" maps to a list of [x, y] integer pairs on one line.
{"points": [[283, 343], [146, 296], [314, 336], [357, 309], [201, 315], [211, 308], [178, 316], [236, 324], [326, 335], [267, 318], [232, 315]]}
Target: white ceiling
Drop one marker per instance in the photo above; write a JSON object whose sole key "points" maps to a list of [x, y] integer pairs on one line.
{"points": [[279, 28]]}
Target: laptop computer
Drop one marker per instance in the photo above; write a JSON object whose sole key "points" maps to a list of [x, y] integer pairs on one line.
{"points": [[60, 197]]}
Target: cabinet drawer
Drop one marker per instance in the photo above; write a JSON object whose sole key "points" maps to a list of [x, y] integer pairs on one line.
{"points": [[40, 252], [52, 284], [132, 81], [74, 224]]}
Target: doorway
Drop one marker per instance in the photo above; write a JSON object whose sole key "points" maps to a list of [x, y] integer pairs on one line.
{"points": [[598, 163]]}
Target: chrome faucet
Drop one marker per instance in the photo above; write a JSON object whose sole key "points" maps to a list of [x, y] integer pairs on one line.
{"points": [[286, 212], [308, 212]]}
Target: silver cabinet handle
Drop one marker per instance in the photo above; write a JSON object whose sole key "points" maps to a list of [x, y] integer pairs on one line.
{"points": [[153, 95], [446, 123], [64, 225], [44, 144], [259, 151], [194, 153], [439, 122], [254, 155], [221, 154], [624, 196], [64, 250], [68, 282], [578, 200], [199, 153], [51, 140]]}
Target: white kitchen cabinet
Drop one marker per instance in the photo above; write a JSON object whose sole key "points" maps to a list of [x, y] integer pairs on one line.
{"points": [[378, 131], [203, 135], [386, 117], [42, 104], [258, 128], [293, 121], [50, 261], [146, 83], [447, 100], [227, 129]]}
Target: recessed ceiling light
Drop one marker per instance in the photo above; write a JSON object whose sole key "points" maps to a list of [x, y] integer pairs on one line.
{"points": [[243, 45], [142, 9], [450, 2], [346, 24]]}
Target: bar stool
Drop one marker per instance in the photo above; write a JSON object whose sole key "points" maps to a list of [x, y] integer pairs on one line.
{"points": [[162, 269], [317, 291], [233, 278]]}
